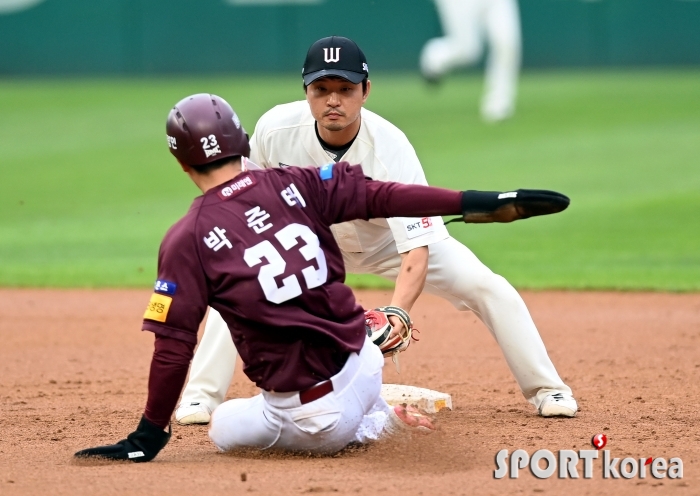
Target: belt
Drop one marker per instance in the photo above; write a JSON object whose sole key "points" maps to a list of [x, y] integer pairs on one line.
{"points": [[315, 392]]}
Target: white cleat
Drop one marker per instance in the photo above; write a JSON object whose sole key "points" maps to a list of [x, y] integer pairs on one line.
{"points": [[194, 413], [558, 405]]}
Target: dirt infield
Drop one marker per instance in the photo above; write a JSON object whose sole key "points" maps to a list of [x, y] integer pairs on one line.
{"points": [[74, 366]]}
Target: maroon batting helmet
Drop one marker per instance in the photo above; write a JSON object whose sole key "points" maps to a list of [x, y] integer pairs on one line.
{"points": [[203, 128]]}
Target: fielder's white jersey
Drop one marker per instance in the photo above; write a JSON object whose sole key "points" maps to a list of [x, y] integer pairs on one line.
{"points": [[286, 135]]}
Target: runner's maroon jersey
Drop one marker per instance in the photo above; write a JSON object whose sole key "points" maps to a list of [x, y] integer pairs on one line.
{"points": [[259, 250]]}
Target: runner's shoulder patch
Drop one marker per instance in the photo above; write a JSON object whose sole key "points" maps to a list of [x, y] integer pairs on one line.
{"points": [[326, 172], [158, 307], [165, 287]]}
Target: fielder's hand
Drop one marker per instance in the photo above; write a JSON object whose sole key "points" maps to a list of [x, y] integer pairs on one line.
{"points": [[142, 445], [495, 206], [390, 339], [398, 329]]}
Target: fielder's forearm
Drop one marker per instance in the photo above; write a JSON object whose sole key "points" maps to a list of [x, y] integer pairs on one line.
{"points": [[411, 278], [387, 199], [171, 360]]}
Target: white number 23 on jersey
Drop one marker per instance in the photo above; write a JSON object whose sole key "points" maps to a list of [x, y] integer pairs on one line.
{"points": [[288, 238]]}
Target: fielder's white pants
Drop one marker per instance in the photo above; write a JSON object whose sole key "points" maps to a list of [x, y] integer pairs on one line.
{"points": [[326, 425], [213, 364], [457, 275], [465, 24], [454, 273]]}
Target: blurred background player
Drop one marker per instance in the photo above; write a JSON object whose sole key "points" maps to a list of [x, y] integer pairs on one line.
{"points": [[466, 25], [330, 125]]}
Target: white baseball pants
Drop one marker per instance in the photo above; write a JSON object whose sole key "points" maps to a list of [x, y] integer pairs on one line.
{"points": [[326, 425], [454, 273], [465, 24]]}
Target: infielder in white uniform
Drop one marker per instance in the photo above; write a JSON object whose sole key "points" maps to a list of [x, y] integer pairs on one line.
{"points": [[417, 254], [466, 24]]}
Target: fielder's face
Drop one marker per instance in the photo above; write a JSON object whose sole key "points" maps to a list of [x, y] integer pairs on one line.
{"points": [[336, 103]]}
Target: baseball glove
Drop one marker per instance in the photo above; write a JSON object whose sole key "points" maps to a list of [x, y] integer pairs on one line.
{"points": [[480, 207], [379, 329]]}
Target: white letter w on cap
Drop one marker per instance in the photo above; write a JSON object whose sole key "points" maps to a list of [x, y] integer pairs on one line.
{"points": [[332, 57]]}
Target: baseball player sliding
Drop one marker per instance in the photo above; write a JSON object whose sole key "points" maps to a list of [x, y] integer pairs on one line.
{"points": [[258, 248], [418, 254], [466, 23]]}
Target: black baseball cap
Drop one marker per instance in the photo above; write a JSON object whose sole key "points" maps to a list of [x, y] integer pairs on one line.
{"points": [[335, 56]]}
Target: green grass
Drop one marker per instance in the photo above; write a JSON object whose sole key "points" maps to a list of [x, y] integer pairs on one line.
{"points": [[88, 187]]}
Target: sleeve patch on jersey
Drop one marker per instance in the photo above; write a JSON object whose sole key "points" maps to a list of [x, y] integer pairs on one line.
{"points": [[165, 287], [158, 307], [326, 172], [418, 227]]}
